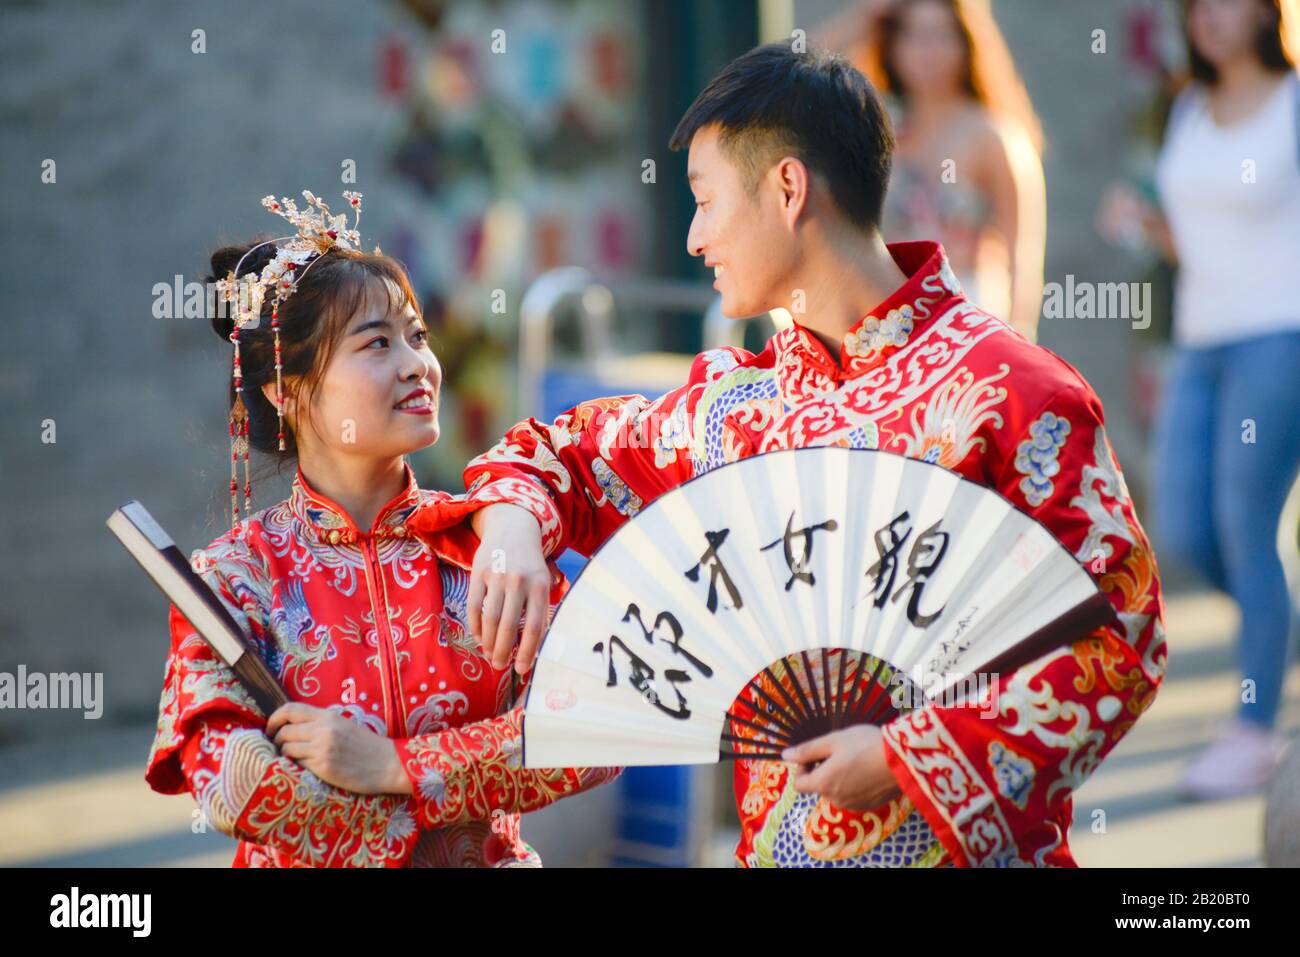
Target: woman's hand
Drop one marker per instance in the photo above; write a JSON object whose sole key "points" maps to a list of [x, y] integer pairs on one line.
{"points": [[1121, 217], [852, 774], [338, 751], [1127, 220], [509, 578]]}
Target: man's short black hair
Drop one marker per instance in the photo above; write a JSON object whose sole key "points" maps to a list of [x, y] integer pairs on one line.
{"points": [[773, 102]]}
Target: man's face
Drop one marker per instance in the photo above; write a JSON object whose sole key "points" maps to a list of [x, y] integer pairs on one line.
{"points": [[746, 240]]}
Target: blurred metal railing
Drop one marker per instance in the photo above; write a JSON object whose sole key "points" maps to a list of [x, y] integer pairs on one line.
{"points": [[597, 301]]}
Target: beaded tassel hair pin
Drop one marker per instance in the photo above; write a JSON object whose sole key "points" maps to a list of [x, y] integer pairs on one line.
{"points": [[318, 232]]}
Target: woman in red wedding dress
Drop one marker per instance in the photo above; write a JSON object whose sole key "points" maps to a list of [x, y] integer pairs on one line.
{"points": [[400, 744]]}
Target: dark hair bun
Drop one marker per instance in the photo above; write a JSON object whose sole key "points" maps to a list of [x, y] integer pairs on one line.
{"points": [[224, 260]]}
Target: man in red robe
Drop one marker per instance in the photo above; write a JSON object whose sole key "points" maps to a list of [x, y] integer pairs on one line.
{"points": [[789, 156]]}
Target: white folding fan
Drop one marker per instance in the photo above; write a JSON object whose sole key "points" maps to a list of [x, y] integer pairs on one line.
{"points": [[831, 586]]}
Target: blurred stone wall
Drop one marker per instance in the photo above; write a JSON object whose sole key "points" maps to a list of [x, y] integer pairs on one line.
{"points": [[161, 153]]}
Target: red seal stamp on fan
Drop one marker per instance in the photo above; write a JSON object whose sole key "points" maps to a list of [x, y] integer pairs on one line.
{"points": [[560, 700], [1026, 552]]}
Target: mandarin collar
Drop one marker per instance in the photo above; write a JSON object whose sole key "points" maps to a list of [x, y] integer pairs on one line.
{"points": [[334, 526], [930, 290]]}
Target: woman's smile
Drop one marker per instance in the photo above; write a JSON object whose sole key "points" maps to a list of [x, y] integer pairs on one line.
{"points": [[419, 402]]}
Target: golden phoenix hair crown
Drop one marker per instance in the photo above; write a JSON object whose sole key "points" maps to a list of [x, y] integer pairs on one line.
{"points": [[318, 232]]}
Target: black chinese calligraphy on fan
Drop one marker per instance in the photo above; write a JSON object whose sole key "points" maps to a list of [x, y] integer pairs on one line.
{"points": [[922, 561], [642, 676]]}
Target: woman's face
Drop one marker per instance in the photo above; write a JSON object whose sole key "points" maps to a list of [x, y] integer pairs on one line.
{"points": [[1223, 30], [378, 397], [929, 53]]}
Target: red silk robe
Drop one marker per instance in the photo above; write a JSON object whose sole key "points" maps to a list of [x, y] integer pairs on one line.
{"points": [[372, 626], [928, 375]]}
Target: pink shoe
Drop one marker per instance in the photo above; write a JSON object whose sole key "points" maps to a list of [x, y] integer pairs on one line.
{"points": [[1241, 761]]}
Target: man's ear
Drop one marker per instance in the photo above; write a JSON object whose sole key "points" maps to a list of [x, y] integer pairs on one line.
{"points": [[794, 182]]}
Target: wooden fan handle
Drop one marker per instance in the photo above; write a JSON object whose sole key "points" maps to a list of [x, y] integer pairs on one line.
{"points": [[1079, 621], [259, 682]]}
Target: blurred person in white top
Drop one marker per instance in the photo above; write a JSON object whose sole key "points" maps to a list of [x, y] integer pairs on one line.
{"points": [[1227, 443]]}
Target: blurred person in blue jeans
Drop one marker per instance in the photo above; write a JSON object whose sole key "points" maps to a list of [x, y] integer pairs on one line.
{"points": [[1227, 438]]}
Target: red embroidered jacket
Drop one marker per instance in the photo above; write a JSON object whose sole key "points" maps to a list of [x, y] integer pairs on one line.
{"points": [[929, 375], [372, 626]]}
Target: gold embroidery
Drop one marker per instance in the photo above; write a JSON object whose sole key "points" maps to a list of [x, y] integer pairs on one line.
{"points": [[831, 836]]}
